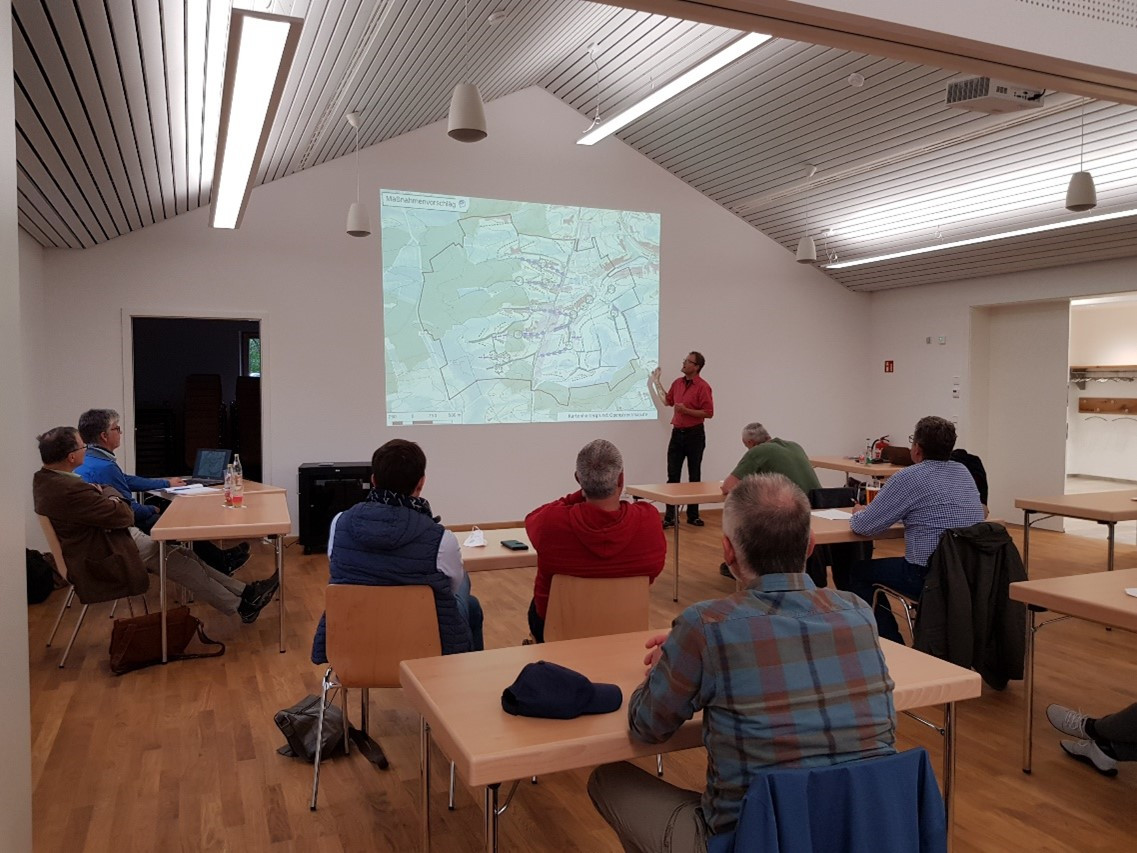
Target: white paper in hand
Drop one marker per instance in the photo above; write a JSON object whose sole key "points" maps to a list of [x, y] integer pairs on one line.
{"points": [[476, 539]]}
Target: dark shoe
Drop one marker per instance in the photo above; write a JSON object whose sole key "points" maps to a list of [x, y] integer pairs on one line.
{"points": [[724, 570], [698, 522], [234, 559], [256, 597], [668, 523]]}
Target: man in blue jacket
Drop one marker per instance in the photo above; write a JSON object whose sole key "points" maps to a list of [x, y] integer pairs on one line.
{"points": [[101, 431], [392, 539]]}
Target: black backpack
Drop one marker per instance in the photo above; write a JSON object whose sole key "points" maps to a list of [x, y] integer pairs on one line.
{"points": [[975, 465], [41, 577]]}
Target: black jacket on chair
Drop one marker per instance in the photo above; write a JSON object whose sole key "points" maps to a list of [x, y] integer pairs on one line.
{"points": [[966, 614]]}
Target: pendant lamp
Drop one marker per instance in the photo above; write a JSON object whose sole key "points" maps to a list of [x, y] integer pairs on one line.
{"points": [[1081, 194], [806, 250], [358, 222], [467, 120]]}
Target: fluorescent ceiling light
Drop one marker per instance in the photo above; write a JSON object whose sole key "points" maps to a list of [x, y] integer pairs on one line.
{"points": [[261, 49], [684, 81], [971, 241]]}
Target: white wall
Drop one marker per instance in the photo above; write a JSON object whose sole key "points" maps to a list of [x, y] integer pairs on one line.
{"points": [[767, 325], [15, 745], [1103, 445], [903, 319]]}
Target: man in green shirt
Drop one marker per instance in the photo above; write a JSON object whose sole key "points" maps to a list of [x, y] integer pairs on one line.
{"points": [[766, 455]]}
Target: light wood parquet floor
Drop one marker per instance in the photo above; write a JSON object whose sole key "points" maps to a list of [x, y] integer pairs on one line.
{"points": [[183, 757]]}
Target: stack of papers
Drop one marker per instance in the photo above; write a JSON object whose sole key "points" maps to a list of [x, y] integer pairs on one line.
{"points": [[195, 489], [835, 514]]}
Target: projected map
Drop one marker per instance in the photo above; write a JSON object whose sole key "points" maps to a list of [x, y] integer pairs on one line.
{"points": [[517, 312]]}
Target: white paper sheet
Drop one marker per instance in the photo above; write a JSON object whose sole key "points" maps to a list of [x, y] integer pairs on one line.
{"points": [[835, 514]]}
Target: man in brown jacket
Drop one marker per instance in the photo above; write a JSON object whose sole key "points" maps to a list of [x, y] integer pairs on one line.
{"points": [[106, 556]]}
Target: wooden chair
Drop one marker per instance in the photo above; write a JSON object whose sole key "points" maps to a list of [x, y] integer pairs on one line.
{"points": [[61, 565], [370, 631], [594, 607]]}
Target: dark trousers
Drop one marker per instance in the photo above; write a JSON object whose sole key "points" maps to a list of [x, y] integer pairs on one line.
{"points": [[686, 444], [536, 623], [895, 572]]}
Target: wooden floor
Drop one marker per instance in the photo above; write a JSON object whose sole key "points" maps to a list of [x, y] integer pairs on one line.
{"points": [[184, 757]]}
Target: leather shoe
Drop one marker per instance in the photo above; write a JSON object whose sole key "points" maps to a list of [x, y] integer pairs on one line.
{"points": [[724, 570], [698, 522], [668, 523]]}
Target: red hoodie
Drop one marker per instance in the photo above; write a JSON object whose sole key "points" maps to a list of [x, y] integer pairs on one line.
{"points": [[574, 537]]}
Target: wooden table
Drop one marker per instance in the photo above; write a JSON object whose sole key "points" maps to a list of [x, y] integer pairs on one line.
{"points": [[677, 494], [251, 488], [207, 517], [459, 700], [1106, 508], [880, 470], [1096, 597], [832, 531], [494, 555]]}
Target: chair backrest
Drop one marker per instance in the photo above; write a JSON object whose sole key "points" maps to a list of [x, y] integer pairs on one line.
{"points": [[53, 545], [887, 804], [595, 607], [371, 629]]}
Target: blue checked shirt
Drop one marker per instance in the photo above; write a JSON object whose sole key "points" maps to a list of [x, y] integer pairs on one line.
{"points": [[784, 673], [929, 497]]}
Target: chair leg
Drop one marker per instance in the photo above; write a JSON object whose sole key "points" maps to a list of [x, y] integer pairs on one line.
{"points": [[114, 607], [74, 634], [320, 738], [659, 765], [62, 610], [346, 723], [450, 802], [130, 606], [364, 709]]}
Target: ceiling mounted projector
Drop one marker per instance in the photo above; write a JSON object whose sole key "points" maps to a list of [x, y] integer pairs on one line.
{"points": [[984, 95]]}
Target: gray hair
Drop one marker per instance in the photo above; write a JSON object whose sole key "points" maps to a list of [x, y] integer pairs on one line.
{"points": [[94, 422], [755, 432], [766, 518], [598, 468]]}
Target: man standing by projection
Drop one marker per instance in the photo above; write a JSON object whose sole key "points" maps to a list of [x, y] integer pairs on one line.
{"points": [[690, 396]]}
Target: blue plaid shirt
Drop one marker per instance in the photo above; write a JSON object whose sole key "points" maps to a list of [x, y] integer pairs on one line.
{"points": [[783, 672], [929, 497]]}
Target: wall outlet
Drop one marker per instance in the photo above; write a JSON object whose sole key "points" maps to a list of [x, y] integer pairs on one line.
{"points": [[955, 393], [943, 339]]}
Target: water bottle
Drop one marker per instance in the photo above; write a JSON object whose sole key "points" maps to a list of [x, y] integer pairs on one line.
{"points": [[238, 474], [228, 485]]}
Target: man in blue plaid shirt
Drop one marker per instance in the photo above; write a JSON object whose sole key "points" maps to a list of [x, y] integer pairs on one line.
{"points": [[933, 495], [784, 673]]}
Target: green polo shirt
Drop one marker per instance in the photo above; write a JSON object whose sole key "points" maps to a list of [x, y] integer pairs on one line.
{"points": [[778, 456]]}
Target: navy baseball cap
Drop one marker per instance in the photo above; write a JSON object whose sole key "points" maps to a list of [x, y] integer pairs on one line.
{"points": [[546, 689]]}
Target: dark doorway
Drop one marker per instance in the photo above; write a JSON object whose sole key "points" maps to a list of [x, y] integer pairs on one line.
{"points": [[197, 383]]}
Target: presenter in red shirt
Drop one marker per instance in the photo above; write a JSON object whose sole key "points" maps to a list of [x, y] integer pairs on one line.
{"points": [[690, 396]]}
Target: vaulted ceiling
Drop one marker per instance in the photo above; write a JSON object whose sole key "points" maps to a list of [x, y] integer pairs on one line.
{"points": [[117, 101]]}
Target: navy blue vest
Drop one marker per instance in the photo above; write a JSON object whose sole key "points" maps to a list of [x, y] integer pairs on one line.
{"points": [[380, 545]]}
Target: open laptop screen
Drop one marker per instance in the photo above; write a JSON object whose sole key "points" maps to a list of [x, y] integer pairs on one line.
{"points": [[211, 463]]}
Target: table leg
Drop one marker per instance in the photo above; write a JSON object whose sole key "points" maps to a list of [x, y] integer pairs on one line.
{"points": [[279, 543], [1112, 536], [424, 782], [676, 596], [1026, 542], [1028, 688], [162, 592], [491, 817], [949, 771]]}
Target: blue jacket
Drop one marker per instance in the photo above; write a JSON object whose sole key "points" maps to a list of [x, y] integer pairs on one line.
{"points": [[380, 545], [100, 466]]}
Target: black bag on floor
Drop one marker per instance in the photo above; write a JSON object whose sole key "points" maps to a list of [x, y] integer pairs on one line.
{"points": [[298, 724], [41, 578]]}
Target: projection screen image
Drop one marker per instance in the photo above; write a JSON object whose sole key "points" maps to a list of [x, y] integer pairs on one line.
{"points": [[517, 312]]}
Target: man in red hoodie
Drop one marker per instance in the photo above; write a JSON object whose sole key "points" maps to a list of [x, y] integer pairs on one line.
{"points": [[592, 533]]}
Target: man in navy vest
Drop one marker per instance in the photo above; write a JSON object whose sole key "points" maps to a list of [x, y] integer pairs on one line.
{"points": [[392, 539]]}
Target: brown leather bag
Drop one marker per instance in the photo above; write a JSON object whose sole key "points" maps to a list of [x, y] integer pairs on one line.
{"points": [[137, 642]]}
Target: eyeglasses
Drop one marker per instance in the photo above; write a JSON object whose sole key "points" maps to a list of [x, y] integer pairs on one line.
{"points": [[115, 428], [77, 449]]}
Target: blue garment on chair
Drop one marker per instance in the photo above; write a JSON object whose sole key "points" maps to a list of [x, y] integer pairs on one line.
{"points": [[889, 804]]}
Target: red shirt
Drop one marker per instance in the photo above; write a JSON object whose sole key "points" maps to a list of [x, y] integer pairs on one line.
{"points": [[695, 393], [576, 538]]}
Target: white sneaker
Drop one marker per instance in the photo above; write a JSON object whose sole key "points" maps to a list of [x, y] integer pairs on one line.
{"points": [[1090, 752], [1067, 720]]}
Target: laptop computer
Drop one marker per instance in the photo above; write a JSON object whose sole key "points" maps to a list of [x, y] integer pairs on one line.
{"points": [[209, 469], [894, 454]]}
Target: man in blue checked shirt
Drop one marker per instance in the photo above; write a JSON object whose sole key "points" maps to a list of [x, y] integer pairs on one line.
{"points": [[933, 495], [784, 673]]}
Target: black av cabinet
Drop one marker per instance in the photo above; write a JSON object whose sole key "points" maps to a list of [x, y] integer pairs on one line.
{"points": [[328, 488]]}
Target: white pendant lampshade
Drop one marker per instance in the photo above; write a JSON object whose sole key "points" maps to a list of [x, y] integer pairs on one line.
{"points": [[806, 250], [467, 115], [358, 222], [1081, 194]]}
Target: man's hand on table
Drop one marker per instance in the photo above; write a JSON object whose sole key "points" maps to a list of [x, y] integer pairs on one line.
{"points": [[654, 644]]}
